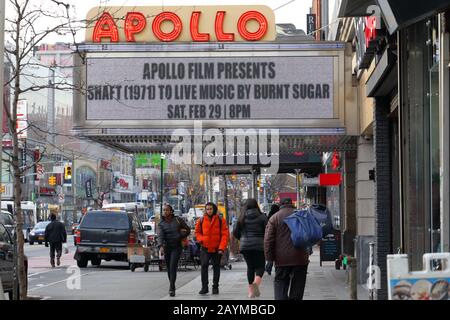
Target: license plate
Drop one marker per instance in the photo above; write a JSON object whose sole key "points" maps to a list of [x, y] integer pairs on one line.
{"points": [[104, 250], [41, 238]]}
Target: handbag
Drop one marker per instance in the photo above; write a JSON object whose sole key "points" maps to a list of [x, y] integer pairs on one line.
{"points": [[65, 248], [184, 233], [305, 230]]}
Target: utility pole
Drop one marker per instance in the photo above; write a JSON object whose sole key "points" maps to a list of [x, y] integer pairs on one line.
{"points": [[163, 156], [297, 186]]}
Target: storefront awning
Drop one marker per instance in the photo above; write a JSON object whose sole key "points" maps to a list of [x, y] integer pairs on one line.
{"points": [[355, 8]]}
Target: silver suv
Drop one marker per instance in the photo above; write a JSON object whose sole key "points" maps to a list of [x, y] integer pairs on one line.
{"points": [[7, 260]]}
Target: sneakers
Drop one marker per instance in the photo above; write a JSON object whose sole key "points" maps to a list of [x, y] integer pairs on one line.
{"points": [[215, 290], [251, 292], [203, 291], [255, 290]]}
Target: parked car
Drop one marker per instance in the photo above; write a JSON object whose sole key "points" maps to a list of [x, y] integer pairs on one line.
{"points": [[7, 220], [105, 235], [7, 260], [37, 234], [150, 232]]}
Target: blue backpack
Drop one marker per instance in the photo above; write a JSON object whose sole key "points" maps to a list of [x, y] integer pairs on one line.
{"points": [[305, 230], [323, 217]]}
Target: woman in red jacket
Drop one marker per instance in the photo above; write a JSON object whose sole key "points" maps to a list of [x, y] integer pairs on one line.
{"points": [[211, 231]]}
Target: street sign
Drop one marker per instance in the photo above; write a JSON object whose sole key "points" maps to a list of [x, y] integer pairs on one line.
{"points": [[39, 170], [61, 198], [58, 169]]}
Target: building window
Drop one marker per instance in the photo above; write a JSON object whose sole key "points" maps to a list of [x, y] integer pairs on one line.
{"points": [[420, 144]]}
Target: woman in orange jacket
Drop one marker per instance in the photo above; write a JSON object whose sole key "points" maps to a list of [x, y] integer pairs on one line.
{"points": [[211, 231]]}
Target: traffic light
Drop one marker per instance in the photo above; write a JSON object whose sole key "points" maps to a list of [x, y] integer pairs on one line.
{"points": [[258, 183], [202, 179], [52, 180], [67, 173]]}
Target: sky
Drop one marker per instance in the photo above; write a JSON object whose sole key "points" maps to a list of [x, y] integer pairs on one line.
{"points": [[286, 11]]}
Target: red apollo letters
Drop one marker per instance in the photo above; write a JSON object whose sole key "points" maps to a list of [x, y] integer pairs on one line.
{"points": [[136, 22]]}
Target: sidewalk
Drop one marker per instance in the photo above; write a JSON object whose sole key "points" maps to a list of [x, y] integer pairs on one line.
{"points": [[322, 283]]}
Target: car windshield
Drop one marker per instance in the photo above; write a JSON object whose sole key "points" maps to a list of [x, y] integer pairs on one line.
{"points": [[6, 219], [41, 225], [105, 220]]}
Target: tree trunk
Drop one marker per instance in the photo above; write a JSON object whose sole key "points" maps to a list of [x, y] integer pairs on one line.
{"points": [[20, 258], [18, 211]]}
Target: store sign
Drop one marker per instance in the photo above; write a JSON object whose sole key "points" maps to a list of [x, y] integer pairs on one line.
{"points": [[88, 188], [310, 23], [123, 182], [330, 179], [47, 191], [104, 164], [367, 36], [211, 88], [309, 182], [181, 23], [22, 119]]}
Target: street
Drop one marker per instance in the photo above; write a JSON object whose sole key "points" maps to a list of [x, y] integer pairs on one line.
{"points": [[112, 280]]}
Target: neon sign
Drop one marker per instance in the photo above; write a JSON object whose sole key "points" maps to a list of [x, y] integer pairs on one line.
{"points": [[204, 24]]}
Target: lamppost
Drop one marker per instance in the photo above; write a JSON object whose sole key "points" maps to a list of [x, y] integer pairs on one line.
{"points": [[163, 156]]}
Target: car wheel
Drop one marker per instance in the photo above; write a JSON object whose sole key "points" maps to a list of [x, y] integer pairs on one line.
{"points": [[31, 243], [82, 262], [39, 242], [96, 261], [132, 267]]}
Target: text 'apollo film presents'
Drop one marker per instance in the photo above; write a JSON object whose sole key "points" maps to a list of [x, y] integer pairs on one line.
{"points": [[213, 88]]}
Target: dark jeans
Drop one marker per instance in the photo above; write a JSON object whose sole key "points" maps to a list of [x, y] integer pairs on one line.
{"points": [[255, 264], [205, 257], [293, 277], [55, 246], [172, 256]]}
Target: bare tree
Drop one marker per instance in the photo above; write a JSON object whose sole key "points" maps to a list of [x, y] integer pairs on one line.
{"points": [[276, 184], [24, 27]]}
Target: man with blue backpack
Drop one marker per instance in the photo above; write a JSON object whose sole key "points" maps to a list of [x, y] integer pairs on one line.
{"points": [[291, 263]]}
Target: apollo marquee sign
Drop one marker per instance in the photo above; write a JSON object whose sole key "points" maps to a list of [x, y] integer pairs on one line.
{"points": [[145, 67], [186, 23]]}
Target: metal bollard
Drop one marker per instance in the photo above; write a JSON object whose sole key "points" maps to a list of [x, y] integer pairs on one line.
{"points": [[353, 275]]}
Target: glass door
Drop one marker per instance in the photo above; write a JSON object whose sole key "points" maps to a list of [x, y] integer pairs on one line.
{"points": [[434, 154]]}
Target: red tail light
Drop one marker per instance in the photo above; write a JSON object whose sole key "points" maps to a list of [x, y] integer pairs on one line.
{"points": [[77, 236], [132, 237]]}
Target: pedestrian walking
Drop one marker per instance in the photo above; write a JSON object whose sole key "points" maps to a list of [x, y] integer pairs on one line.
{"points": [[171, 231], [273, 209], [291, 264], [56, 235], [249, 230], [211, 231]]}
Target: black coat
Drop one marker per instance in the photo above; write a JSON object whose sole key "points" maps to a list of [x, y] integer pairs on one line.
{"points": [[169, 233], [55, 232], [251, 233]]}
